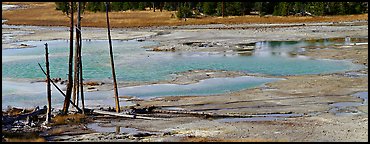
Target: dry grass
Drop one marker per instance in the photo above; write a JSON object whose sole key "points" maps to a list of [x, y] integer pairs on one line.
{"points": [[68, 119], [22, 137], [44, 14], [25, 140], [91, 83], [16, 111]]}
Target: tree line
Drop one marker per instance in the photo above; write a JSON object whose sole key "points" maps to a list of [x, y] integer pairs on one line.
{"points": [[194, 9]]}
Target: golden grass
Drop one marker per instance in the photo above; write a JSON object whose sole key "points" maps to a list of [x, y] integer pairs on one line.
{"points": [[22, 137], [16, 111], [25, 140], [91, 83], [68, 119], [44, 14]]}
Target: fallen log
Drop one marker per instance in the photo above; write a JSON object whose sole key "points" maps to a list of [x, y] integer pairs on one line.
{"points": [[214, 115], [186, 112], [79, 110], [126, 115], [10, 120]]}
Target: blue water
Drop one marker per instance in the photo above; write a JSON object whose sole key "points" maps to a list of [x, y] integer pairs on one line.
{"points": [[34, 94], [134, 63]]}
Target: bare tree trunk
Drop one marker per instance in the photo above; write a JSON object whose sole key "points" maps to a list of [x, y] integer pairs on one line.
{"points": [[153, 6], [223, 8], [80, 57], [70, 83], [112, 63], [161, 6], [76, 66], [75, 79], [48, 88], [118, 129]]}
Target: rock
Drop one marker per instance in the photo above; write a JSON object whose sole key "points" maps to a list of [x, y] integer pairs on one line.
{"points": [[23, 45], [142, 134], [156, 49]]}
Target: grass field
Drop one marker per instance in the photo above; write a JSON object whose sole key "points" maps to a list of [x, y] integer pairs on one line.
{"points": [[44, 14]]}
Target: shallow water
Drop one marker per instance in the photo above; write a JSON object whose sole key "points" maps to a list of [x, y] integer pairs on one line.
{"points": [[34, 94], [109, 129], [364, 96], [349, 108], [355, 74], [133, 63], [29, 95]]}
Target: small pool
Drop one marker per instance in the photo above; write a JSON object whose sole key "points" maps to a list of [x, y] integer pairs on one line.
{"points": [[349, 108], [109, 129]]}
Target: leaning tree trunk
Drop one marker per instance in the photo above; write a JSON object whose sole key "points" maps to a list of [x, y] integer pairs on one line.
{"points": [[112, 63], [70, 83]]}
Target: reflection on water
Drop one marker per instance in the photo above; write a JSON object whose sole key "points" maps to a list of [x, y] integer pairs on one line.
{"points": [[133, 63], [117, 129]]}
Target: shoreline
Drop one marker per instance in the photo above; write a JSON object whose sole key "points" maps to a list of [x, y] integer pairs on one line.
{"points": [[185, 77], [298, 94]]}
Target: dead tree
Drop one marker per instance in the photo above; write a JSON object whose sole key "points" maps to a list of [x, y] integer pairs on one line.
{"points": [[79, 55], [161, 6], [153, 6], [48, 88], [70, 83], [112, 62], [69, 100], [7, 120], [76, 64], [126, 115], [223, 8]]}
